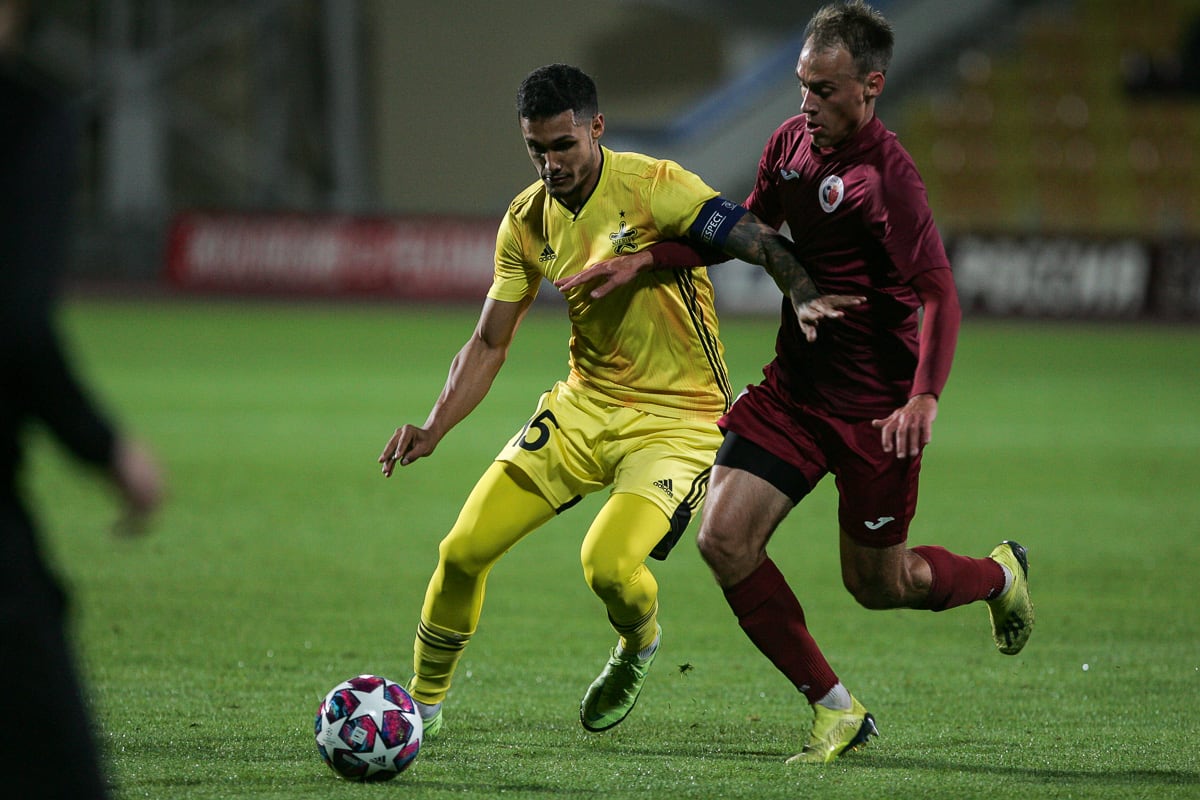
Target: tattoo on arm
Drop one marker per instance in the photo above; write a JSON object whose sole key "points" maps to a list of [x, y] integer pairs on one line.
{"points": [[757, 242]]}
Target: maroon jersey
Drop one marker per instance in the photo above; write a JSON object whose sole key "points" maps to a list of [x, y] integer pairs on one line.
{"points": [[862, 226]]}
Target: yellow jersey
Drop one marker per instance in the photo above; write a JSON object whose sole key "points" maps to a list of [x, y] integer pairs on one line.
{"points": [[651, 344]]}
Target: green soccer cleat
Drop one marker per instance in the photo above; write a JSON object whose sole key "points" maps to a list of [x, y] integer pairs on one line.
{"points": [[613, 694], [1012, 612], [432, 725], [431, 717], [836, 732]]}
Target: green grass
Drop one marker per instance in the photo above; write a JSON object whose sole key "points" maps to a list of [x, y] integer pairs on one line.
{"points": [[285, 563]]}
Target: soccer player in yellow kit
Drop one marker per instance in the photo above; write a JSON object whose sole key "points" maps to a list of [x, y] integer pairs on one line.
{"points": [[638, 409]]}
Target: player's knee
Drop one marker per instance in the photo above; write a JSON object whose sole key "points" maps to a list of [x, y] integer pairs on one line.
{"points": [[607, 577], [729, 557], [460, 556], [718, 550], [712, 549]]}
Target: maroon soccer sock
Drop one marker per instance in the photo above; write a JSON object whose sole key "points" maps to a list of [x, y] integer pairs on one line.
{"points": [[958, 580], [771, 616]]}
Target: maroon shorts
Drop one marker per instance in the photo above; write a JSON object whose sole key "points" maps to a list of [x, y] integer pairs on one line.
{"points": [[794, 445]]}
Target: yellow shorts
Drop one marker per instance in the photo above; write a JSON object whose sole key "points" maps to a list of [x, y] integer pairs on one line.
{"points": [[576, 444]]}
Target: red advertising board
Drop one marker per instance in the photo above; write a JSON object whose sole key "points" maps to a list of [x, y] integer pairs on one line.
{"points": [[443, 259], [423, 258]]}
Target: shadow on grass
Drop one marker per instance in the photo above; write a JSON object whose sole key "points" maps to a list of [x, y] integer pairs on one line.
{"points": [[1139, 777]]}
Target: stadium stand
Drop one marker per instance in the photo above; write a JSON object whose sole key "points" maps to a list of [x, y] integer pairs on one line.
{"points": [[1048, 136]]}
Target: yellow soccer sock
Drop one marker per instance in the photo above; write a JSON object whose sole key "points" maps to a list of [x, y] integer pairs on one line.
{"points": [[436, 652], [639, 636]]}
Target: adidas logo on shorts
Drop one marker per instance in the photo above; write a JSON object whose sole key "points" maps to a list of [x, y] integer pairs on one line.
{"points": [[665, 485]]}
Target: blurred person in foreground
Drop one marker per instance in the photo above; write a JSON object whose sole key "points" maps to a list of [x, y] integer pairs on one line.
{"points": [[38, 385], [637, 412], [859, 401]]}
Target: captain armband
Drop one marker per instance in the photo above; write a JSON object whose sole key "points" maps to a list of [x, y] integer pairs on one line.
{"points": [[715, 220]]}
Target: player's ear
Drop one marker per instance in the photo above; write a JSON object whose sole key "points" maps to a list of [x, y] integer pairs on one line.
{"points": [[873, 87], [597, 126]]}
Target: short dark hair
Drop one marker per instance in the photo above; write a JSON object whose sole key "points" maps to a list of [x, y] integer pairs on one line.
{"points": [[550, 90], [864, 32]]}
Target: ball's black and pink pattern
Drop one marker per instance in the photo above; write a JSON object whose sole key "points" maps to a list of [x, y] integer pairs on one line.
{"points": [[368, 729]]}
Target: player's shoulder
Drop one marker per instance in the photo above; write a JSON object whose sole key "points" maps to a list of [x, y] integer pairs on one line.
{"points": [[892, 154], [896, 175], [880, 140], [793, 124], [788, 137], [791, 128], [529, 201], [637, 165]]}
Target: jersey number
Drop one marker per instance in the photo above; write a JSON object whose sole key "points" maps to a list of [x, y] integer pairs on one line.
{"points": [[543, 431]]}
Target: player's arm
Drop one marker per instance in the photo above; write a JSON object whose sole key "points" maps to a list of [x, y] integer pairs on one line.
{"points": [[908, 429], [472, 372], [48, 385], [734, 232], [754, 241]]}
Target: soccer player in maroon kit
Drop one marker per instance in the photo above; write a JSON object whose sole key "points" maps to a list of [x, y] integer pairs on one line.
{"points": [[858, 401]]}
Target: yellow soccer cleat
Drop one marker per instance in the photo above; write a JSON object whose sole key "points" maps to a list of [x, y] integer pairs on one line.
{"points": [[1012, 612], [836, 732]]}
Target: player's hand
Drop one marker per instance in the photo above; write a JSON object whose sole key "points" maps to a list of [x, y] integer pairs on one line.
{"points": [[138, 478], [406, 446], [611, 274], [827, 306], [909, 428]]}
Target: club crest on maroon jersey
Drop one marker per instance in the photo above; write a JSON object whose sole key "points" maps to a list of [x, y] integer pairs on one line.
{"points": [[831, 193]]}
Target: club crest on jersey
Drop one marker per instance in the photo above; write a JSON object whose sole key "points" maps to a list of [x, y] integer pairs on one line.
{"points": [[623, 238], [831, 193]]}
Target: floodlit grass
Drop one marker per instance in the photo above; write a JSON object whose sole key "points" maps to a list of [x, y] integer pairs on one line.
{"points": [[285, 563]]}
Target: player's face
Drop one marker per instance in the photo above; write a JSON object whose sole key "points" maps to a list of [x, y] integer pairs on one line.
{"points": [[837, 102], [566, 153]]}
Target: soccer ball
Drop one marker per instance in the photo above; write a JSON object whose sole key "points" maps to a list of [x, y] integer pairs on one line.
{"points": [[368, 729]]}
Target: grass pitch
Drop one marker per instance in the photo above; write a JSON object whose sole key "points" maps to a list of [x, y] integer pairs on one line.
{"points": [[285, 563]]}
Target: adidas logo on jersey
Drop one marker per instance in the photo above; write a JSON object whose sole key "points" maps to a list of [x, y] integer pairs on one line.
{"points": [[548, 254], [665, 485]]}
